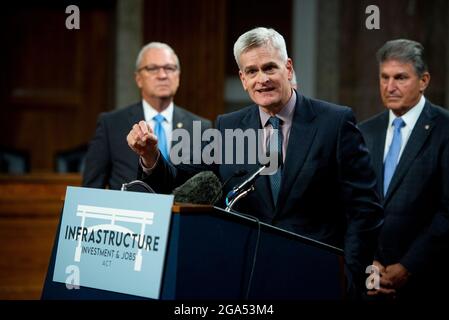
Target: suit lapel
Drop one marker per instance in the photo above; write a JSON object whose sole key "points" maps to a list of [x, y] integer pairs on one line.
{"points": [[179, 120], [301, 137], [252, 121], [377, 148], [418, 137], [135, 114]]}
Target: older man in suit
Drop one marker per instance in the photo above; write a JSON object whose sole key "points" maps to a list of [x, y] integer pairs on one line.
{"points": [[109, 161], [324, 188], [409, 143]]}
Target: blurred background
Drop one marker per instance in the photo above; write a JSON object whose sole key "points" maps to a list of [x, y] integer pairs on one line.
{"points": [[54, 82]]}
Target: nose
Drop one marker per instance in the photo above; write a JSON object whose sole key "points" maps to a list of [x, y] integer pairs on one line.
{"points": [[262, 77], [391, 85], [163, 74]]}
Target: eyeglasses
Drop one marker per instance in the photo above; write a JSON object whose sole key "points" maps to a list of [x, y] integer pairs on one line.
{"points": [[153, 69]]}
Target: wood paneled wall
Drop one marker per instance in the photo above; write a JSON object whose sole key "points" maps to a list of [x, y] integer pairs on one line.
{"points": [[54, 81], [245, 15], [30, 207], [196, 31], [420, 20]]}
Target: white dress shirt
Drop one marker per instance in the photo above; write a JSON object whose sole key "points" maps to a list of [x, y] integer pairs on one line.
{"points": [[149, 112], [410, 118]]}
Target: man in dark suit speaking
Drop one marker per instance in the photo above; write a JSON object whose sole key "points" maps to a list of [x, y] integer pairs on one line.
{"points": [[324, 188], [409, 143], [109, 161]]}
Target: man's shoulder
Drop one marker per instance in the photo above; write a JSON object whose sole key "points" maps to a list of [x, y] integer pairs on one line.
{"points": [[120, 114], [321, 107], [323, 104], [374, 121], [238, 114], [439, 111], [180, 111]]}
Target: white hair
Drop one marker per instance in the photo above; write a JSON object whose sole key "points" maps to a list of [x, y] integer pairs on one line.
{"points": [[259, 37], [156, 45]]}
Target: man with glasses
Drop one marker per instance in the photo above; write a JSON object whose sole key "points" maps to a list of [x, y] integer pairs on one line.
{"points": [[109, 161]]}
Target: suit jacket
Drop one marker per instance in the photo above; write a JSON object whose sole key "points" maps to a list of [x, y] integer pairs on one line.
{"points": [[328, 184], [109, 160], [416, 228]]}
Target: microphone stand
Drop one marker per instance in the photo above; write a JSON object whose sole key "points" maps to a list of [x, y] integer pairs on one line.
{"points": [[241, 195], [242, 190], [136, 182]]}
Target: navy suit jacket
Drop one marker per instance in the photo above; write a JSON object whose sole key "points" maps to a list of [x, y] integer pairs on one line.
{"points": [[416, 228], [328, 185], [109, 161]]}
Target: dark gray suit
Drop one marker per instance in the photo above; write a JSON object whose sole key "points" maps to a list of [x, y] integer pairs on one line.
{"points": [[416, 228], [328, 184], [110, 161]]}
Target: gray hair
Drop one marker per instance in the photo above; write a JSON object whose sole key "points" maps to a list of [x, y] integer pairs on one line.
{"points": [[406, 51], [156, 45], [259, 37]]}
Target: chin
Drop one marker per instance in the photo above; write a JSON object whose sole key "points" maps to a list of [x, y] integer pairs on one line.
{"points": [[394, 106], [164, 95], [398, 110]]}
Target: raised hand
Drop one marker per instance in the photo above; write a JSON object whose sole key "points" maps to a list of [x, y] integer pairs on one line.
{"points": [[142, 140]]}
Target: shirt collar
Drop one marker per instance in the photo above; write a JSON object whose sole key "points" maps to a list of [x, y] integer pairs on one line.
{"points": [[286, 113], [411, 116], [149, 112]]}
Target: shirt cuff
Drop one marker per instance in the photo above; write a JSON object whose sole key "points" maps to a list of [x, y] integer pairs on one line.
{"points": [[147, 170]]}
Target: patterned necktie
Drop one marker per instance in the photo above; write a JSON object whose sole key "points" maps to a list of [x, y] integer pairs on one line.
{"points": [[160, 133], [393, 153], [275, 179]]}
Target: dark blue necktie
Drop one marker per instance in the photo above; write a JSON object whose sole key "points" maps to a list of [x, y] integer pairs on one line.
{"points": [[392, 157], [161, 137], [275, 179]]}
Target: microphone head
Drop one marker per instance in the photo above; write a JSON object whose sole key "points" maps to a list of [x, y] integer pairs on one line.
{"points": [[275, 162], [202, 188]]}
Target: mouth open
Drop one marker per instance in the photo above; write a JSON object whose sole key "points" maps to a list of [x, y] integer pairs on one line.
{"points": [[263, 90]]}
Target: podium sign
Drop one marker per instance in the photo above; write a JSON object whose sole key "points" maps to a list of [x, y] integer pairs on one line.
{"points": [[113, 240]]}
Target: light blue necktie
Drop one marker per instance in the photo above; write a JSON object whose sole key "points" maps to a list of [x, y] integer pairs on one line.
{"points": [[393, 153], [275, 179], [161, 137]]}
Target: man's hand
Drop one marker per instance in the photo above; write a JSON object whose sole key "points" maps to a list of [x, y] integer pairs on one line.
{"points": [[379, 266], [142, 140], [392, 278], [396, 275], [385, 284]]}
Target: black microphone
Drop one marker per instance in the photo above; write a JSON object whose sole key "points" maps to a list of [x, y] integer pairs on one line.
{"points": [[202, 188]]}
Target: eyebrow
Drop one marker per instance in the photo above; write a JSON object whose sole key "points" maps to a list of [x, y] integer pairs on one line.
{"points": [[395, 75], [265, 65]]}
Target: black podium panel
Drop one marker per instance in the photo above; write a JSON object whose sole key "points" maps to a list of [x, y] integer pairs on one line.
{"points": [[211, 256]]}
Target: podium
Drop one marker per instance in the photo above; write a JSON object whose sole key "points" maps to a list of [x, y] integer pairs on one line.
{"points": [[218, 255]]}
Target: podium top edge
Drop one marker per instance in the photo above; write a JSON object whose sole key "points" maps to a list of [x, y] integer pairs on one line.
{"points": [[181, 208], [190, 207]]}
